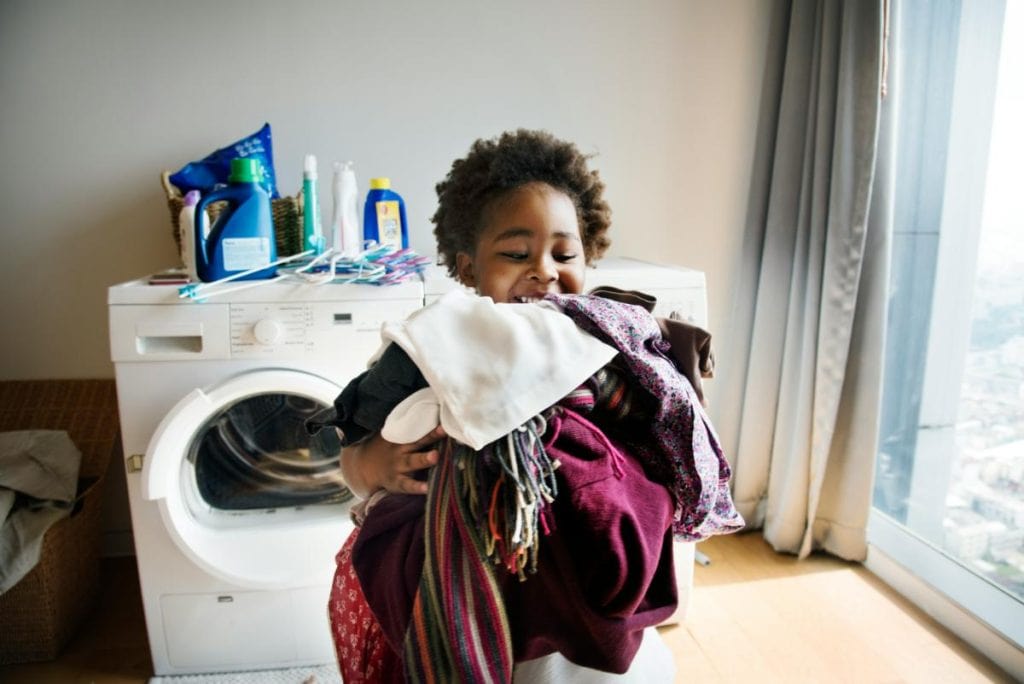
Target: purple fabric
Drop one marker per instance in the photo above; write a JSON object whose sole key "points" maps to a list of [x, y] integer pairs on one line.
{"points": [[605, 572], [680, 447]]}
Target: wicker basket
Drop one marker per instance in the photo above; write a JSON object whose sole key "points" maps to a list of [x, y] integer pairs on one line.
{"points": [[41, 613], [285, 210]]}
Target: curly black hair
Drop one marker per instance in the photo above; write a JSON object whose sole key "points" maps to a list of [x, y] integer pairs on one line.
{"points": [[495, 167]]}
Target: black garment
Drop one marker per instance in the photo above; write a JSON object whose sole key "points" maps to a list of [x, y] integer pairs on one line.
{"points": [[364, 404]]}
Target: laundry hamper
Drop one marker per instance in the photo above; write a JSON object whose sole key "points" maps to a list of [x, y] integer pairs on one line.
{"points": [[40, 614]]}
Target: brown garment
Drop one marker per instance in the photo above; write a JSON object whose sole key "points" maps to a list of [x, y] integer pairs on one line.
{"points": [[691, 345]]}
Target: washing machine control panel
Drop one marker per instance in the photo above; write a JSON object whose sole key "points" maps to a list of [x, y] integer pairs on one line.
{"points": [[264, 330], [257, 328]]}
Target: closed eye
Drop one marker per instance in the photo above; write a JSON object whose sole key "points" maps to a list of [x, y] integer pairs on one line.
{"points": [[515, 256], [565, 258]]}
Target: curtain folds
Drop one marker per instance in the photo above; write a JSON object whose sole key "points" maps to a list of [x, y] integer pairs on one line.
{"points": [[804, 426]]}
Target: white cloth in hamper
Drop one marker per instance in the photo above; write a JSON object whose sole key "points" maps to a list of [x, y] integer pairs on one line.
{"points": [[42, 465]]}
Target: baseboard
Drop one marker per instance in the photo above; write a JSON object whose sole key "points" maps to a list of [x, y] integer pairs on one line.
{"points": [[947, 613]]}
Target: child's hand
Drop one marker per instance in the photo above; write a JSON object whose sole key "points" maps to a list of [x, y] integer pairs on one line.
{"points": [[375, 463]]}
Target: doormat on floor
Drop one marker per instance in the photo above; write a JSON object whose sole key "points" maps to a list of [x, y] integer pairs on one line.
{"points": [[314, 674]]}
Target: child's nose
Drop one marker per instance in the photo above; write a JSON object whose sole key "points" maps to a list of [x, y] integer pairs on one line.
{"points": [[543, 269]]}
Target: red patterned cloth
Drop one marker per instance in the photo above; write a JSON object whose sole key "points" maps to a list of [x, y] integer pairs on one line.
{"points": [[364, 656]]}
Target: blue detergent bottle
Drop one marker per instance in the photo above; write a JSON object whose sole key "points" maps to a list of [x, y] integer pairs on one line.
{"points": [[384, 215], [242, 237]]}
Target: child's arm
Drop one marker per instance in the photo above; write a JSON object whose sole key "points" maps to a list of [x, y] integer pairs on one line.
{"points": [[375, 463]]}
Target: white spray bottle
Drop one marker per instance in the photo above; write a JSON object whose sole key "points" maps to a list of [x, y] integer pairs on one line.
{"points": [[187, 232], [346, 235]]}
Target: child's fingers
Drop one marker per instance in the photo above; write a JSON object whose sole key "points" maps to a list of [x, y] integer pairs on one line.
{"points": [[407, 485], [429, 438], [418, 460]]}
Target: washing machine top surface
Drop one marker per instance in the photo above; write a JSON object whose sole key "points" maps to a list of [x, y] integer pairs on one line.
{"points": [[141, 291]]}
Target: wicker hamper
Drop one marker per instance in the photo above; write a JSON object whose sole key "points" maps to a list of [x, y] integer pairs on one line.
{"points": [[285, 210], [40, 614]]}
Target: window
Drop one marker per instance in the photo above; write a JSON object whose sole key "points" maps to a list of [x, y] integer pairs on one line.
{"points": [[949, 484]]}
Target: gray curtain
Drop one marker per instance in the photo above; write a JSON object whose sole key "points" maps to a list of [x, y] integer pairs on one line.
{"points": [[799, 409]]}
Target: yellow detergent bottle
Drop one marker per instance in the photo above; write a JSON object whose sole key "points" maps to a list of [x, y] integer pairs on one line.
{"points": [[384, 216]]}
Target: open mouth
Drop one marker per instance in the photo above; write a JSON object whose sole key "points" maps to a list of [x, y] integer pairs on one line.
{"points": [[527, 300]]}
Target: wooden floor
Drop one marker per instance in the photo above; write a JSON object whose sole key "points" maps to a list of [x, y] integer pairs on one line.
{"points": [[755, 616], [758, 616]]}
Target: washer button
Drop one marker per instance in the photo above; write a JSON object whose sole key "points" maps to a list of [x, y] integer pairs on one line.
{"points": [[267, 331]]}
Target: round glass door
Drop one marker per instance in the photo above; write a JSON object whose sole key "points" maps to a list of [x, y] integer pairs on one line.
{"points": [[256, 454], [244, 492]]}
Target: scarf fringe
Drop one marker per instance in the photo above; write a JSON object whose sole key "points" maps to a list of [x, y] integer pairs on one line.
{"points": [[484, 509], [509, 486]]}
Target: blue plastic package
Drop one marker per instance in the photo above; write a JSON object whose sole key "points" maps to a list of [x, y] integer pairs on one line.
{"points": [[211, 172]]}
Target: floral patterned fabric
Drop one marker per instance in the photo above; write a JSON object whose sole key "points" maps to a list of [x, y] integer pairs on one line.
{"points": [[364, 656], [679, 447]]}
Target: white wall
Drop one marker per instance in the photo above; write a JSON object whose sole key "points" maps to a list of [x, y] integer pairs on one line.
{"points": [[97, 97]]}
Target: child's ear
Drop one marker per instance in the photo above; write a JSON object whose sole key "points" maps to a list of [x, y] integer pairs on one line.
{"points": [[464, 269]]}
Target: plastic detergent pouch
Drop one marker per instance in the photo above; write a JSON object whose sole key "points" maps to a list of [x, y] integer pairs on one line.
{"points": [[212, 171]]}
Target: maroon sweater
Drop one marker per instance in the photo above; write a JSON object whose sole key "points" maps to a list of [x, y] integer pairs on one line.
{"points": [[605, 572]]}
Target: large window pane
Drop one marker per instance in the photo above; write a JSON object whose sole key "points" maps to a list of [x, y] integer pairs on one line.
{"points": [[984, 520], [949, 489]]}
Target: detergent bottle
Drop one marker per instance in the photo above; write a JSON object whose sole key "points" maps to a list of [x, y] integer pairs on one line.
{"points": [[384, 215], [242, 237], [186, 223]]}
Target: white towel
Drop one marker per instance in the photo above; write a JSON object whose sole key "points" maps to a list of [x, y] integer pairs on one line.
{"points": [[415, 416], [494, 366]]}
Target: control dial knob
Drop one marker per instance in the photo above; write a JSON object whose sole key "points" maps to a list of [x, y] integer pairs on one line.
{"points": [[268, 331]]}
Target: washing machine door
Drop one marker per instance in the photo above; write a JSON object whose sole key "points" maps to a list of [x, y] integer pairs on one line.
{"points": [[243, 490]]}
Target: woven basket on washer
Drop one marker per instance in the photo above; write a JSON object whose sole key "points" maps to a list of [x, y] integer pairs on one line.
{"points": [[40, 614], [285, 210]]}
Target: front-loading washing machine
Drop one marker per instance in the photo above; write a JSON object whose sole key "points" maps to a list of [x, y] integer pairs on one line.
{"points": [[236, 512]]}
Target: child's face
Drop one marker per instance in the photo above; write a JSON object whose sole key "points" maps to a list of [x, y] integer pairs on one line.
{"points": [[530, 245]]}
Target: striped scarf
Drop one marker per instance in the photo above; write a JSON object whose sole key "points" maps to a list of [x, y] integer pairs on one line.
{"points": [[608, 395], [484, 509]]}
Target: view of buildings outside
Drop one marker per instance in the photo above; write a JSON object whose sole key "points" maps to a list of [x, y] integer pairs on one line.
{"points": [[984, 519]]}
